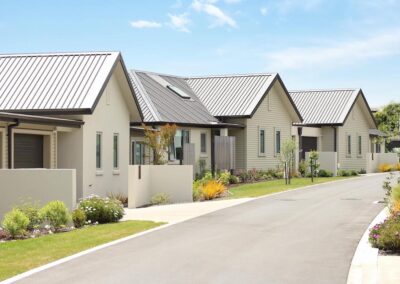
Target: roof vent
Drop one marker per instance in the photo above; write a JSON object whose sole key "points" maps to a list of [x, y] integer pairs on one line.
{"points": [[178, 91]]}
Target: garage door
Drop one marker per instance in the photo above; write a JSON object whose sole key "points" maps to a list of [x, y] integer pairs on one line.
{"points": [[308, 144], [28, 151]]}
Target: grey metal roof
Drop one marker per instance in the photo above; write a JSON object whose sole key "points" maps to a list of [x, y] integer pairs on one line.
{"points": [[377, 132], [35, 119], [324, 107], [231, 95], [54, 81], [161, 104]]}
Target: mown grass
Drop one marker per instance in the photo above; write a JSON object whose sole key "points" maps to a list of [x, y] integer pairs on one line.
{"points": [[273, 186], [22, 255]]}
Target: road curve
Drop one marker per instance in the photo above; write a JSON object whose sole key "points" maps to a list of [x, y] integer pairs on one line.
{"points": [[304, 236]]}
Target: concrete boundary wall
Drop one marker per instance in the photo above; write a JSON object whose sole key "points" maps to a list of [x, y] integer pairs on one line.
{"points": [[147, 180], [327, 161], [36, 185], [376, 159]]}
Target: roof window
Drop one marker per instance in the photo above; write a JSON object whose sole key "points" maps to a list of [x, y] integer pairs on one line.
{"points": [[179, 92]]}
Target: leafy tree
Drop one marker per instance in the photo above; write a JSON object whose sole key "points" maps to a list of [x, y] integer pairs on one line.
{"points": [[287, 156], [313, 162], [159, 141], [388, 119]]}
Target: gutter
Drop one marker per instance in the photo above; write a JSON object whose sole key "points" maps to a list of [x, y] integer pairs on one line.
{"points": [[10, 127]]}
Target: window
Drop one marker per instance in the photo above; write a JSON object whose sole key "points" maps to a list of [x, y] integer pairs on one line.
{"points": [[203, 143], [115, 151], [178, 91], [99, 138], [138, 153], [176, 148], [348, 145], [277, 141], [359, 145], [378, 148], [261, 141]]}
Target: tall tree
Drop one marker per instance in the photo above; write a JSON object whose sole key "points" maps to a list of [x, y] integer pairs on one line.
{"points": [[388, 119], [159, 140]]}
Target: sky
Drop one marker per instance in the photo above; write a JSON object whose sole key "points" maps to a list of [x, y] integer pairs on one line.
{"points": [[312, 44]]}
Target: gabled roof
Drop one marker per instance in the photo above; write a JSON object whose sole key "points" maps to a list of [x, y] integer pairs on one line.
{"points": [[327, 107], [235, 95], [54, 83], [159, 103]]}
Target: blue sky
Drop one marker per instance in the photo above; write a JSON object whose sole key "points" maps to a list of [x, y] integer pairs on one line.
{"points": [[311, 43]]}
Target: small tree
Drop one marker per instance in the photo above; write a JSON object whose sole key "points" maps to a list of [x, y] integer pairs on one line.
{"points": [[287, 156], [312, 161], [159, 141]]}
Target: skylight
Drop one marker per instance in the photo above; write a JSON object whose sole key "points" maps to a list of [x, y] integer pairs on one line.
{"points": [[178, 91]]}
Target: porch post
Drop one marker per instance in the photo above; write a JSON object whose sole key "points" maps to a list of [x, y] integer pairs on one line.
{"points": [[10, 146]]}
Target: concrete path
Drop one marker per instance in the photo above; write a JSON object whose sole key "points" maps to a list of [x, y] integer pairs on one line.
{"points": [[304, 236], [175, 213]]}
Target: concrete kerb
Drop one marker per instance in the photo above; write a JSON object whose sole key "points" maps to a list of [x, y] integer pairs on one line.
{"points": [[364, 265], [85, 252]]}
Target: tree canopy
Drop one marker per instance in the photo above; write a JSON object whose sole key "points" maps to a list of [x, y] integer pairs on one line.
{"points": [[388, 119]]}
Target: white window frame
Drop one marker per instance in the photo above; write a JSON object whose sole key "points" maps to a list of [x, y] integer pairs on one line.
{"points": [[116, 168], [348, 145], [99, 170], [261, 154], [276, 153], [203, 153]]}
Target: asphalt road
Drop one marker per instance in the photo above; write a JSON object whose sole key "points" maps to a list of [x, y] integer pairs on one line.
{"points": [[305, 236]]}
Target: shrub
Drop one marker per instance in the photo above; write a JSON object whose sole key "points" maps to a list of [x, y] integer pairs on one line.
{"points": [[56, 213], [383, 168], [397, 167], [279, 175], [197, 194], [234, 179], [386, 235], [31, 210], [79, 218], [353, 173], [324, 173], [160, 199], [395, 194], [212, 189], [15, 222], [119, 196], [101, 210], [224, 178], [362, 172], [302, 168], [343, 173], [395, 208]]}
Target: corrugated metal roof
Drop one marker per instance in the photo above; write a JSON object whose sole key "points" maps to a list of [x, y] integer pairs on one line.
{"points": [[159, 103], [324, 107], [53, 82], [231, 95]]}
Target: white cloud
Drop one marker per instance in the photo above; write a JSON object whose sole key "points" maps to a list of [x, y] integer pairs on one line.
{"points": [[341, 53], [285, 6], [220, 17], [142, 24], [180, 22], [263, 11]]}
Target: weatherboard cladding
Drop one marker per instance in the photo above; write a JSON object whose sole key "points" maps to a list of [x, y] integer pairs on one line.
{"points": [[232, 95], [324, 107], [53, 82], [168, 105]]}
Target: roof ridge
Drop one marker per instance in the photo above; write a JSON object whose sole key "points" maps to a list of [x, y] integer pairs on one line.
{"points": [[39, 54], [157, 73], [325, 90], [231, 75]]}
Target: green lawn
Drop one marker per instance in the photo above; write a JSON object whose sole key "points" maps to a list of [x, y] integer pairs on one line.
{"points": [[272, 186], [22, 255]]}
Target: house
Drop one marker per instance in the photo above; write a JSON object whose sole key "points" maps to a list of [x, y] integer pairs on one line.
{"points": [[255, 109], [68, 111], [169, 99], [339, 124]]}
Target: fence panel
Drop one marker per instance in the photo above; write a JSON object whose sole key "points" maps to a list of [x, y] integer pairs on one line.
{"points": [[224, 149]]}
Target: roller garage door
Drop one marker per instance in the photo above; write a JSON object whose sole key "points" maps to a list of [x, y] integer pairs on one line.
{"points": [[28, 151]]}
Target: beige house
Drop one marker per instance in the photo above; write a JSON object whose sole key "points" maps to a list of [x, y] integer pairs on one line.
{"points": [[340, 125], [68, 111], [255, 110]]}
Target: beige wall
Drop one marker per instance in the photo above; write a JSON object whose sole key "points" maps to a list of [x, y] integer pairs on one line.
{"points": [[240, 143], [175, 181], [374, 160], [327, 139], [355, 125], [77, 149], [272, 114], [36, 185]]}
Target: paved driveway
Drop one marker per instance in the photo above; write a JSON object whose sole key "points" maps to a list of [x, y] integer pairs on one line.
{"points": [[305, 236]]}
